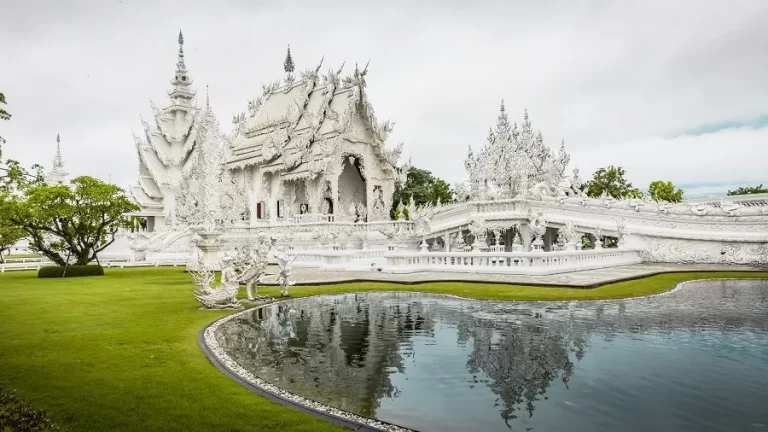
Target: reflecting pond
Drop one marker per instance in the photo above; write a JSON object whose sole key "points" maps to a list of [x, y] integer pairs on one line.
{"points": [[695, 359]]}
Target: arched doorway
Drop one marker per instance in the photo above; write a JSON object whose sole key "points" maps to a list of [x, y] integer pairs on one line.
{"points": [[352, 190]]}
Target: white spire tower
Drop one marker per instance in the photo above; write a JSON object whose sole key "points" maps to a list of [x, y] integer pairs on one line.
{"points": [[167, 149], [57, 175]]}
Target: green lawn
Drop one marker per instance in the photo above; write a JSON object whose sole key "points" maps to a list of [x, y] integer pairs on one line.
{"points": [[120, 352]]}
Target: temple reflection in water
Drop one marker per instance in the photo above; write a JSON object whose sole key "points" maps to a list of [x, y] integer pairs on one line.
{"points": [[349, 351]]}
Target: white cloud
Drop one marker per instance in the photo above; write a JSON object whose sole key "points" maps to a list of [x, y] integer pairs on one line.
{"points": [[610, 77]]}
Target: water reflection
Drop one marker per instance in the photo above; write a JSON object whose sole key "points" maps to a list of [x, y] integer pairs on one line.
{"points": [[438, 363]]}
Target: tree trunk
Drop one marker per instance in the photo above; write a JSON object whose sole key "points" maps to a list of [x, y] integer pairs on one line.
{"points": [[82, 257]]}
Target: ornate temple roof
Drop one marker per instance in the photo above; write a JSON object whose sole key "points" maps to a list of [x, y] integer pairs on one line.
{"points": [[298, 121]]}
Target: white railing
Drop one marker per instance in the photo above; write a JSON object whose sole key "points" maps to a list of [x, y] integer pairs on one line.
{"points": [[36, 263], [531, 263], [320, 218], [311, 225], [361, 258], [23, 260]]}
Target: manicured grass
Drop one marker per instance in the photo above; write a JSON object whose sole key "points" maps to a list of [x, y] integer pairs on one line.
{"points": [[120, 352]]}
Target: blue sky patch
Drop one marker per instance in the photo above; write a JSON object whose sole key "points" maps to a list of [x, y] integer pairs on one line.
{"points": [[708, 128]]}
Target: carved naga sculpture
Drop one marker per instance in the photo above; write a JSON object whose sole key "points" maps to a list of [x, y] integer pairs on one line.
{"points": [[252, 263], [222, 297]]}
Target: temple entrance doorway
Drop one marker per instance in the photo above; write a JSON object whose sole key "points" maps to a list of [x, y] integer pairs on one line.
{"points": [[328, 206], [353, 199]]}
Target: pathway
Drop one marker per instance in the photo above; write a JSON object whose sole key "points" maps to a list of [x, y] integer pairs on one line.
{"points": [[582, 279]]}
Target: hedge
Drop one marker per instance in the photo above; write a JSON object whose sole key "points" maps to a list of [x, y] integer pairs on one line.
{"points": [[72, 271], [17, 416]]}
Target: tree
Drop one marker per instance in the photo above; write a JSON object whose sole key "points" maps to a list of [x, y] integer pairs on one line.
{"points": [[62, 221], [10, 234], [665, 191], [742, 190], [612, 182], [4, 115], [424, 187]]}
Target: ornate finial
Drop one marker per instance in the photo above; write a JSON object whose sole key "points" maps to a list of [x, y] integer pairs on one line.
{"points": [[502, 106], [207, 97], [288, 64], [180, 64], [58, 138]]}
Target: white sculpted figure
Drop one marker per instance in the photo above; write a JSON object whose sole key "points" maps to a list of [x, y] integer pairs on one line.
{"points": [[576, 183], [538, 227], [361, 211], [569, 235], [598, 238], [621, 230], [222, 297], [252, 263], [285, 264]]}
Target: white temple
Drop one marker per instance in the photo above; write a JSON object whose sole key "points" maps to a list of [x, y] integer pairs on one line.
{"points": [[307, 164], [311, 145]]}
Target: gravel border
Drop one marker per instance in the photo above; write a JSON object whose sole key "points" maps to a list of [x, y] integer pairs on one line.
{"points": [[222, 361]]}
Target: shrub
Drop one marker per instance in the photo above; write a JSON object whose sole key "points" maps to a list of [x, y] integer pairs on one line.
{"points": [[17, 416], [72, 271]]}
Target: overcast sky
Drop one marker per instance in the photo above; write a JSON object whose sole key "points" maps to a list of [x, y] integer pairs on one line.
{"points": [[674, 90]]}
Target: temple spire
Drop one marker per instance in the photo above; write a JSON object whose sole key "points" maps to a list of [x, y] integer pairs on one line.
{"points": [[57, 162], [180, 64], [181, 94], [288, 65], [57, 175]]}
